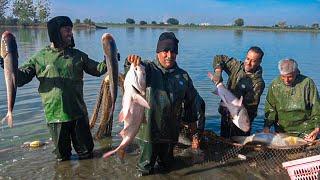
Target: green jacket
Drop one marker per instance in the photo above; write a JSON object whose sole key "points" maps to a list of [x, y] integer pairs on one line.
{"points": [[169, 94], [249, 86], [293, 108], [60, 74]]}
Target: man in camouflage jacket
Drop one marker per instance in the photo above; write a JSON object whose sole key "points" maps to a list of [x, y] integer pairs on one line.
{"points": [[292, 103], [245, 79]]}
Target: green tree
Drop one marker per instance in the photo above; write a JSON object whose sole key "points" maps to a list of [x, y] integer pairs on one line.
{"points": [[3, 7], [172, 21], [130, 21], [315, 25], [281, 24], [143, 23], [77, 21], [153, 22], [43, 7], [239, 22], [88, 21], [24, 10]]}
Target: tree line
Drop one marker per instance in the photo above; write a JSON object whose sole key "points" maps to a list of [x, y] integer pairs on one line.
{"points": [[24, 12]]}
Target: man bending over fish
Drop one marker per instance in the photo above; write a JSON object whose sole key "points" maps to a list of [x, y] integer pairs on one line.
{"points": [[292, 103], [167, 88], [60, 68], [245, 79]]}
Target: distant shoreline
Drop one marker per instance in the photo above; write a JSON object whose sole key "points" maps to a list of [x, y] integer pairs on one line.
{"points": [[158, 26]]}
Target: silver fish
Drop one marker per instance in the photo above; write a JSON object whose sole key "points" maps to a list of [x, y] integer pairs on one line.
{"points": [[111, 55], [133, 104], [237, 111], [271, 140], [9, 52]]}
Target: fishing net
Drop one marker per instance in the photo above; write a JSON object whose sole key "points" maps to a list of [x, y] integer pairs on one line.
{"points": [[102, 108], [225, 152]]}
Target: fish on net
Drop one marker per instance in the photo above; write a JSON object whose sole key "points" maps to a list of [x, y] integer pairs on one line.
{"points": [[222, 152], [102, 108]]}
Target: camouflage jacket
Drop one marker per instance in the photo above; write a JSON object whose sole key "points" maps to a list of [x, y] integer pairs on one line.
{"points": [[249, 86], [169, 94], [293, 109], [60, 74]]}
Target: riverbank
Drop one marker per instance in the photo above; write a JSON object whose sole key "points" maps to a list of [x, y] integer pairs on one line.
{"points": [[165, 26]]}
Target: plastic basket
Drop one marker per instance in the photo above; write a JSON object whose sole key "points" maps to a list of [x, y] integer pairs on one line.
{"points": [[306, 168]]}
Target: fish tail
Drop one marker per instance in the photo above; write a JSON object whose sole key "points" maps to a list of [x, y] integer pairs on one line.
{"points": [[110, 153]]}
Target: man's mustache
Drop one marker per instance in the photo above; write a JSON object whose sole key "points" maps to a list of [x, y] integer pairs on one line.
{"points": [[169, 59]]}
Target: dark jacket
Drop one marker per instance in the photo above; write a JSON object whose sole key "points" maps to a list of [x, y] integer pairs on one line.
{"points": [[167, 92]]}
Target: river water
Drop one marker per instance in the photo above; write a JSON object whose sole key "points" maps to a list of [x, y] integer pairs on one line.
{"points": [[196, 50]]}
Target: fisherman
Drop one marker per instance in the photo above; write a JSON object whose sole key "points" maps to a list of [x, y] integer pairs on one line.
{"points": [[168, 87], [292, 104], [60, 68], [245, 79]]}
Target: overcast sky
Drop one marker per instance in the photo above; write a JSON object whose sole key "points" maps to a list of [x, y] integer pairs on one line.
{"points": [[221, 12]]}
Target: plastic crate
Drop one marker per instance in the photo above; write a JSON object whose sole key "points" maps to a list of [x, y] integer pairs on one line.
{"points": [[306, 168]]}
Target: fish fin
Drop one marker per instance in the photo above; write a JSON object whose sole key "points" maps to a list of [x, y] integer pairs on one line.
{"points": [[121, 116], [140, 100], [238, 102]]}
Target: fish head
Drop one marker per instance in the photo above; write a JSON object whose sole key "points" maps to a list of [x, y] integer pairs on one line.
{"points": [[109, 45], [140, 79], [241, 120], [8, 44]]}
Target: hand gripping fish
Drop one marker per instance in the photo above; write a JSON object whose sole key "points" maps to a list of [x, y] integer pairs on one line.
{"points": [[133, 104], [9, 52], [237, 111]]}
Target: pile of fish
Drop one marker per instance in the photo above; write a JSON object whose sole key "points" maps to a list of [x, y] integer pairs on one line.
{"points": [[236, 109], [271, 140], [9, 53], [133, 104]]}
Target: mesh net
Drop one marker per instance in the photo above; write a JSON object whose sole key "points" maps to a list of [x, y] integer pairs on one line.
{"points": [[224, 152]]}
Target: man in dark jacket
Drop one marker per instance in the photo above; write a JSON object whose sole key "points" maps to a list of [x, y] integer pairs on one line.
{"points": [[292, 103], [170, 92], [245, 79], [59, 68]]}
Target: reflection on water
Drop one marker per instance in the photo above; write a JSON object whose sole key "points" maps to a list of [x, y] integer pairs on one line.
{"points": [[196, 51]]}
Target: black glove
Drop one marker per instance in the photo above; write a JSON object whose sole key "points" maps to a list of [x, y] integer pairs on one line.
{"points": [[1, 62]]}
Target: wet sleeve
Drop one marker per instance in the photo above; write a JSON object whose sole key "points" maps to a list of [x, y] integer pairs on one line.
{"points": [[92, 67], [270, 108], [314, 104], [26, 72], [194, 107], [228, 64], [252, 99]]}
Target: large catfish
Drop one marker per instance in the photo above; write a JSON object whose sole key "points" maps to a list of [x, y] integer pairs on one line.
{"points": [[9, 52], [133, 104], [111, 55], [236, 109]]}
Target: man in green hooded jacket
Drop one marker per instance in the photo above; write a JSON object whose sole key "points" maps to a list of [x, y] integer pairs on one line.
{"points": [[292, 104], [169, 92], [245, 79], [60, 68]]}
